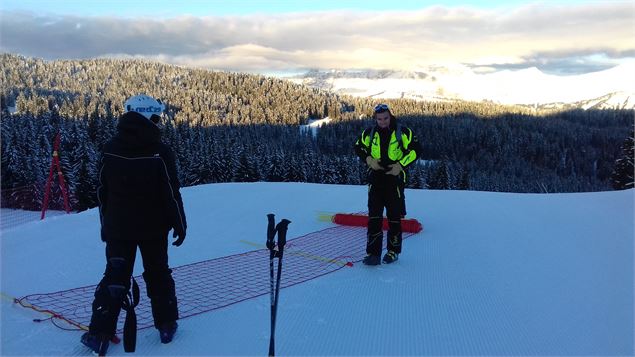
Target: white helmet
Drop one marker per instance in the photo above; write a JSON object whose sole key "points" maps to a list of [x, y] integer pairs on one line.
{"points": [[144, 105]]}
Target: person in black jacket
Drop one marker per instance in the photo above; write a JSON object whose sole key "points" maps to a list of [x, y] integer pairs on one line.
{"points": [[139, 203], [388, 149]]}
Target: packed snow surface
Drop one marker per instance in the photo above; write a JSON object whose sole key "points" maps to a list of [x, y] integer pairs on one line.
{"points": [[491, 274]]}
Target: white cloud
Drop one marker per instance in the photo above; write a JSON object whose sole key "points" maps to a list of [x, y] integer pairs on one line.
{"points": [[532, 34]]}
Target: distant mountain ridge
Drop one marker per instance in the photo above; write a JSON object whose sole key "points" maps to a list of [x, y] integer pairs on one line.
{"points": [[368, 74], [617, 100], [608, 89]]}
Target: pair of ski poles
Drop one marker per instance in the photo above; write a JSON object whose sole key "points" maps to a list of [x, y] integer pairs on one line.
{"points": [[281, 230]]}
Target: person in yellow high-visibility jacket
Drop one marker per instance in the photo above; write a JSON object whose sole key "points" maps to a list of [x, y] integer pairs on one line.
{"points": [[388, 149]]}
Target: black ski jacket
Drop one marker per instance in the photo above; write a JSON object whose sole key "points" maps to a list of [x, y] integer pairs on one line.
{"points": [[138, 191]]}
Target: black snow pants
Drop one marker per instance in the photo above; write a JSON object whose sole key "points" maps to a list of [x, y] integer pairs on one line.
{"points": [[120, 258], [384, 191]]}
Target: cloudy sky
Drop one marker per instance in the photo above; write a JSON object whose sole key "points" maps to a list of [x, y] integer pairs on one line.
{"points": [[561, 37]]}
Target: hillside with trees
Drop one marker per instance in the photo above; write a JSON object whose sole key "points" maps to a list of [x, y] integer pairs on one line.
{"points": [[241, 127]]}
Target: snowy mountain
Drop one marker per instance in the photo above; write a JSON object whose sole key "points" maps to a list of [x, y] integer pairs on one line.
{"points": [[611, 88], [617, 100], [491, 274]]}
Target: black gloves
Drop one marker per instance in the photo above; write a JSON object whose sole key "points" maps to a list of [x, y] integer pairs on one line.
{"points": [[181, 235]]}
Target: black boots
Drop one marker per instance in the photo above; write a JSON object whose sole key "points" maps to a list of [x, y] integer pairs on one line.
{"points": [[371, 260], [98, 343], [390, 257], [167, 330]]}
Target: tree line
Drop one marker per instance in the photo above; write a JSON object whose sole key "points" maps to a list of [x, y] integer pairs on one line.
{"points": [[98, 88]]}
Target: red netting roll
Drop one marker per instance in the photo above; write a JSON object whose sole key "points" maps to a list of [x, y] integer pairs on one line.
{"points": [[409, 225]]}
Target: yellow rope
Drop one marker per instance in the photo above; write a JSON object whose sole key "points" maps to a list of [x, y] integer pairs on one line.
{"points": [[51, 314], [304, 254], [7, 297]]}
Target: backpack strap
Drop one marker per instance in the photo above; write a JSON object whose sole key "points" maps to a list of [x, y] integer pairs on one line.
{"points": [[398, 136], [371, 136]]}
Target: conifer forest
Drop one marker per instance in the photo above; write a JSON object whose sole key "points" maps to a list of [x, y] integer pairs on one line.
{"points": [[237, 127]]}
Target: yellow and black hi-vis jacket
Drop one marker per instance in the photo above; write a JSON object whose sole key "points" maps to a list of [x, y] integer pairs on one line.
{"points": [[404, 151]]}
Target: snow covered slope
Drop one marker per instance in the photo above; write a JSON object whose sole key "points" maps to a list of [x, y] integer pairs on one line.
{"points": [[613, 87], [314, 125], [492, 274]]}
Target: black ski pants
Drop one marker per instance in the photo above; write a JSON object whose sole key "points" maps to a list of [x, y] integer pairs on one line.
{"points": [[384, 191], [109, 295]]}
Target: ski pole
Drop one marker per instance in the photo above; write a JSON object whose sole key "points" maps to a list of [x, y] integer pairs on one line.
{"points": [[281, 230], [271, 233], [271, 230]]}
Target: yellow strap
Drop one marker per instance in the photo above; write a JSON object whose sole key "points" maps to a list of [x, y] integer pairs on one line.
{"points": [[7, 297], [303, 254], [49, 313]]}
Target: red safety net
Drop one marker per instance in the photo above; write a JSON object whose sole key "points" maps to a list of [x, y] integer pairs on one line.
{"points": [[220, 282]]}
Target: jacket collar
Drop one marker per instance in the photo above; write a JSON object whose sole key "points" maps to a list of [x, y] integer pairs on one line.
{"points": [[133, 128]]}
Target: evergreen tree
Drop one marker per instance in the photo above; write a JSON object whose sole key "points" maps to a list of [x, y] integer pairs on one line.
{"points": [[440, 178], [10, 157], [83, 177], [416, 176], [245, 171], [276, 171], [296, 170], [622, 177], [464, 181]]}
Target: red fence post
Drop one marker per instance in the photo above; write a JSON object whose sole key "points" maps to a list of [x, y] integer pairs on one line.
{"points": [[55, 163]]}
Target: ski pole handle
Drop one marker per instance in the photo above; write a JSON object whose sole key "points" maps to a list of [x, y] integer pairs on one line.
{"points": [[271, 231], [281, 228]]}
